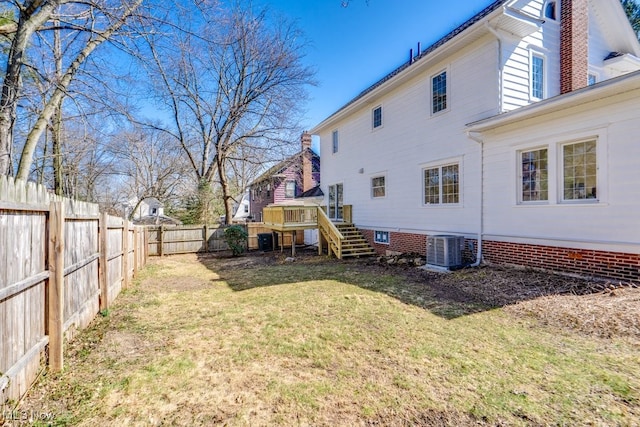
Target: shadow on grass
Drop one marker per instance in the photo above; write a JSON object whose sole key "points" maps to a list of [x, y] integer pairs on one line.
{"points": [[448, 295]]}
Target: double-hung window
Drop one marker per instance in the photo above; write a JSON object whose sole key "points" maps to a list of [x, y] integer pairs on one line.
{"points": [[290, 189], [376, 117], [378, 187], [442, 185], [439, 92], [537, 76]]}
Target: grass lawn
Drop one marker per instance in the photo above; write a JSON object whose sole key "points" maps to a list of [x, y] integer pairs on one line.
{"points": [[257, 341]]}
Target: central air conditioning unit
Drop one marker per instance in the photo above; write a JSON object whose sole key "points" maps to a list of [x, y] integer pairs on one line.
{"points": [[445, 250]]}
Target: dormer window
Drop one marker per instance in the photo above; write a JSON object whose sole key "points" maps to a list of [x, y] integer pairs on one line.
{"points": [[550, 10]]}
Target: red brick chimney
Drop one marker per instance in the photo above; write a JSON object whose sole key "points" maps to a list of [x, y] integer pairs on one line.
{"points": [[574, 44], [307, 172]]}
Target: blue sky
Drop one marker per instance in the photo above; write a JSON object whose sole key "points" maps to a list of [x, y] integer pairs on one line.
{"points": [[353, 47]]}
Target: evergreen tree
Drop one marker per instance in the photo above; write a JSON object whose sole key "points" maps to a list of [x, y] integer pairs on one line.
{"points": [[633, 13]]}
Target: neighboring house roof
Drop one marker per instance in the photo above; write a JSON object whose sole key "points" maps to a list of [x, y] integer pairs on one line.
{"points": [[314, 192], [150, 201], [281, 167], [156, 220]]}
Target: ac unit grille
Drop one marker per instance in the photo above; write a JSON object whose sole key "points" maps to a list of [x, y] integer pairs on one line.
{"points": [[444, 251]]}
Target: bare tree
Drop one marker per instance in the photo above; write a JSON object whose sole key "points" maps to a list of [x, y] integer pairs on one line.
{"points": [[149, 164], [233, 84], [91, 23]]}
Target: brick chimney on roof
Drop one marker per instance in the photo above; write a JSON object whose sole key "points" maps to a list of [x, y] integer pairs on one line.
{"points": [[307, 168], [574, 44]]}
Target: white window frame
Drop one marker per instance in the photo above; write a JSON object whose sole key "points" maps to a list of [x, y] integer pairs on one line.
{"points": [[520, 174], [561, 174], [384, 186], [335, 141], [535, 54], [440, 166], [447, 97], [555, 167], [286, 183], [381, 237], [556, 3], [373, 117]]}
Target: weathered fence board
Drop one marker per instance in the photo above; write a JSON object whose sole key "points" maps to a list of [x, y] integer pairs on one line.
{"points": [[52, 256]]}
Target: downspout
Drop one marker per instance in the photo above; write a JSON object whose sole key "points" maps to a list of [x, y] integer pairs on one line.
{"points": [[476, 136]]}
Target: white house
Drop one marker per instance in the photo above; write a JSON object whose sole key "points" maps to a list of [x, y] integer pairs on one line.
{"points": [[517, 131], [149, 206]]}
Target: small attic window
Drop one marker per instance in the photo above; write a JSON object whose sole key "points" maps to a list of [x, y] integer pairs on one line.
{"points": [[550, 10]]}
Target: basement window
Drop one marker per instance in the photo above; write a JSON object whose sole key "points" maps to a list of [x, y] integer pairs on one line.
{"points": [[381, 237]]}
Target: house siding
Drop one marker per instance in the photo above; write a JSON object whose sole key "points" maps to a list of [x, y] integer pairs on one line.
{"points": [[411, 139], [601, 225], [586, 237]]}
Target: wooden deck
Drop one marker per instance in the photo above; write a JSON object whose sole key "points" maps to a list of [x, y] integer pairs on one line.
{"points": [[288, 218]]}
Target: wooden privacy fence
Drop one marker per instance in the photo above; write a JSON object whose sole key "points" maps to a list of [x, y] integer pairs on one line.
{"points": [[61, 262], [180, 239]]}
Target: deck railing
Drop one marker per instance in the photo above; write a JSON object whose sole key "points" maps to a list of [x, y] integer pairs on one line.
{"points": [[290, 217], [329, 232]]}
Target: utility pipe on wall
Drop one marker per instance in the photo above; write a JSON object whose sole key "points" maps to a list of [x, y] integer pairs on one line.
{"points": [[476, 136]]}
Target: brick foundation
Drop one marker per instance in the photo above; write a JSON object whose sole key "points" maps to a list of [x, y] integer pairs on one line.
{"points": [[589, 263], [613, 265], [399, 242]]}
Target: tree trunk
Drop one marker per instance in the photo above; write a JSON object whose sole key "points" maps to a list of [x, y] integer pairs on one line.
{"points": [[32, 16], [45, 116], [224, 185]]}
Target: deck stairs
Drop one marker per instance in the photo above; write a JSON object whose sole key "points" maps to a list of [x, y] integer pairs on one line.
{"points": [[354, 243]]}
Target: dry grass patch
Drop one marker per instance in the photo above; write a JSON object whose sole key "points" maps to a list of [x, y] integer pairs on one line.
{"points": [[257, 341]]}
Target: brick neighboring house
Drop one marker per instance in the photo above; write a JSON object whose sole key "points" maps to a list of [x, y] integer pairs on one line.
{"points": [[286, 181]]}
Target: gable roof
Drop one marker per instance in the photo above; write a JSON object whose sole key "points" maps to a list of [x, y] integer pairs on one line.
{"points": [[282, 166], [313, 192]]}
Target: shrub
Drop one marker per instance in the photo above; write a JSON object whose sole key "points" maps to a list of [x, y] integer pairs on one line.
{"points": [[236, 237]]}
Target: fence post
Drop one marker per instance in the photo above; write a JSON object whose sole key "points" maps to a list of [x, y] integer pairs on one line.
{"points": [[125, 254], [104, 261], [56, 286], [145, 242], [206, 239], [161, 241], [136, 252]]}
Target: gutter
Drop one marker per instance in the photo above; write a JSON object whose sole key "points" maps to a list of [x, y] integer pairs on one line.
{"points": [[477, 138]]}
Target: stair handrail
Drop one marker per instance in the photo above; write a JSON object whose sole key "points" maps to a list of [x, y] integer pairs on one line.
{"points": [[332, 232]]}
